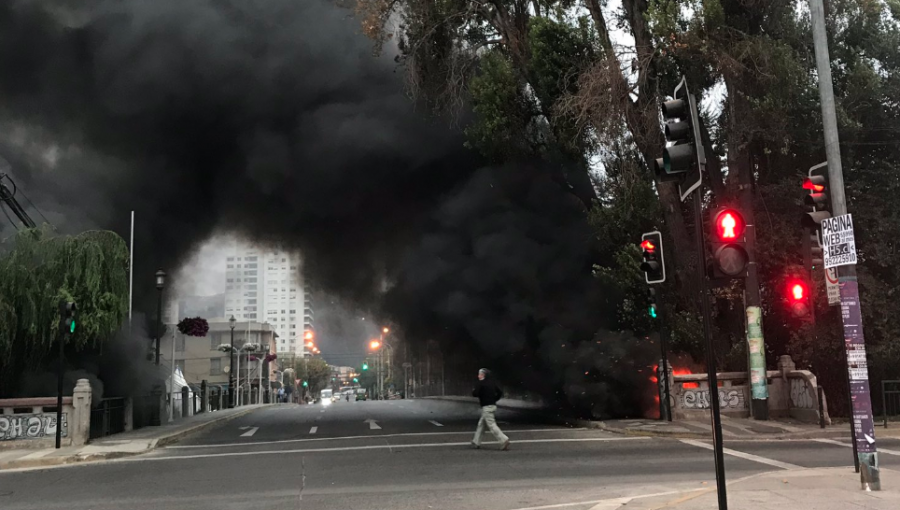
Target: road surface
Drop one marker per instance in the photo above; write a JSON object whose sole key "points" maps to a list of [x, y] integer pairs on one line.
{"points": [[398, 455]]}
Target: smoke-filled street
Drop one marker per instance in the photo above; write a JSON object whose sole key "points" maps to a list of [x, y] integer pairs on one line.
{"points": [[402, 455]]}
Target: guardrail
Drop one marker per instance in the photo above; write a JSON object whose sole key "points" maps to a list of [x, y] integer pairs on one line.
{"points": [[108, 417], [890, 400]]}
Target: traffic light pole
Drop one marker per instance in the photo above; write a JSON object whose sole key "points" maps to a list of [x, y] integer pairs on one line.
{"points": [[665, 401], [756, 347], [712, 378], [851, 314], [59, 377]]}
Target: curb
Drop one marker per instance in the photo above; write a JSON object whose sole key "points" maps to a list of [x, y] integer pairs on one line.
{"points": [[93, 457]]}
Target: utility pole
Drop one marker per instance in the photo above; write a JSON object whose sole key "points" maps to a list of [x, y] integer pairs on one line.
{"points": [[851, 314]]}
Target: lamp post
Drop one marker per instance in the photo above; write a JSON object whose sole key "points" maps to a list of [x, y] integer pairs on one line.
{"points": [[160, 284], [231, 322]]}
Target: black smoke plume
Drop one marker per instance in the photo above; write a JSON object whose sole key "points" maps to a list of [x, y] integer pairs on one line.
{"points": [[271, 119]]}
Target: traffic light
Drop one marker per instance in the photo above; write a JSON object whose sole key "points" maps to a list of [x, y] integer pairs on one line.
{"points": [[651, 309], [356, 379], [683, 158], [798, 298], [653, 265], [69, 317], [816, 183], [305, 384], [728, 245], [365, 365]]}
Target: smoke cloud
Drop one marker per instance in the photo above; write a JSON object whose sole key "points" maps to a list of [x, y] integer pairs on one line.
{"points": [[271, 120]]}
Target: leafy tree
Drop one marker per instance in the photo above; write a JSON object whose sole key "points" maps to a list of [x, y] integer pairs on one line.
{"points": [[314, 371], [38, 272]]}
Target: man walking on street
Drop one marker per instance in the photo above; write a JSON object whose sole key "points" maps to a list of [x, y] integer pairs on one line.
{"points": [[488, 394]]}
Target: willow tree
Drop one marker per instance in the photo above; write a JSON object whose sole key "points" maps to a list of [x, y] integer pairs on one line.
{"points": [[38, 271]]}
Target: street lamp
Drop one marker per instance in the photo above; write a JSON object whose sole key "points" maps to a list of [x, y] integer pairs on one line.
{"points": [[160, 284], [231, 322]]}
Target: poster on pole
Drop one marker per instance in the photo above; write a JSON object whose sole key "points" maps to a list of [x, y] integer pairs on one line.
{"points": [[832, 289], [838, 244], [857, 369]]}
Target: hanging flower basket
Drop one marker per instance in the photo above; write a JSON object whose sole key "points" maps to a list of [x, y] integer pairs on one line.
{"points": [[196, 326]]}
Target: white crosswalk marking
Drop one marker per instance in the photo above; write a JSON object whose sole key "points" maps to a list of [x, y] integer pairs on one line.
{"points": [[250, 432], [436, 424], [742, 455], [848, 445], [313, 430]]}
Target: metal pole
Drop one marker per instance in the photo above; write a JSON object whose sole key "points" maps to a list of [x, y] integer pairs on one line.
{"points": [[131, 272], [664, 372], [851, 314], [172, 386], [712, 377], [158, 323], [231, 370], [59, 381]]}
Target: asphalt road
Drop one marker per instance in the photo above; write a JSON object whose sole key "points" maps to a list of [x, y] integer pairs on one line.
{"points": [[401, 455]]}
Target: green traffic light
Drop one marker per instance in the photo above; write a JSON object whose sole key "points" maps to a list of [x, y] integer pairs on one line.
{"points": [[355, 379], [653, 311], [365, 366], [305, 384]]}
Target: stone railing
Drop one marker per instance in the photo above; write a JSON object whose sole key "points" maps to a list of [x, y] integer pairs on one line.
{"points": [[792, 393], [31, 422]]}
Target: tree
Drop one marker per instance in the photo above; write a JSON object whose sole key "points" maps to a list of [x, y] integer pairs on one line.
{"points": [[313, 371], [38, 272]]}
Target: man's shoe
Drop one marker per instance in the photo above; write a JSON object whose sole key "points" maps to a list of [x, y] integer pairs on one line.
{"points": [[505, 445], [476, 446]]}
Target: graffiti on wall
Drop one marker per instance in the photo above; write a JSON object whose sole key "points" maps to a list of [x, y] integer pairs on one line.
{"points": [[801, 396], [30, 426], [699, 399]]}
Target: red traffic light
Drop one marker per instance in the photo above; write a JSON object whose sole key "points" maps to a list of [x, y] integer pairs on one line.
{"points": [[648, 245], [798, 291], [815, 188], [729, 225]]}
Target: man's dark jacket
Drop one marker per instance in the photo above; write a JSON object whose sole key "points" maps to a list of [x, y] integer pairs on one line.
{"points": [[488, 392]]}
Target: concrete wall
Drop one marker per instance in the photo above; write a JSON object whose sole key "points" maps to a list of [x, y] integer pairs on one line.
{"points": [[31, 422], [792, 393]]}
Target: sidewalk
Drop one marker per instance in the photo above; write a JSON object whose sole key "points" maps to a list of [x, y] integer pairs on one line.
{"points": [[134, 442], [804, 489]]}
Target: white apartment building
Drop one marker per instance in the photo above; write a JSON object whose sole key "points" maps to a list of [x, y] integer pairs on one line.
{"points": [[268, 286]]}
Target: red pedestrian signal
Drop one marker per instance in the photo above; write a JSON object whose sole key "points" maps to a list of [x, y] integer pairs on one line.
{"points": [[648, 246], [727, 245], [729, 225], [653, 264], [815, 187], [798, 292], [798, 298]]}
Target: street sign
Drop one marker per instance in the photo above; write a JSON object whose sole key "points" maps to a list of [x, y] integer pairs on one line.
{"points": [[832, 289], [838, 244]]}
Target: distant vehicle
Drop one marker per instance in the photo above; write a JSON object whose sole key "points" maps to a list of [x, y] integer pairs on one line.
{"points": [[361, 394], [325, 396]]}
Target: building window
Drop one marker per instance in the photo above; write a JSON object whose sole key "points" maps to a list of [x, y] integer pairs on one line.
{"points": [[251, 315], [293, 311], [215, 366], [214, 341], [230, 280], [179, 343], [293, 326], [230, 266], [251, 301], [229, 259], [251, 258]]}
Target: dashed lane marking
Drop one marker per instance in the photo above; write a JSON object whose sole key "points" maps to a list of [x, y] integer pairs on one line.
{"points": [[313, 430], [250, 432], [742, 455], [436, 424]]}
